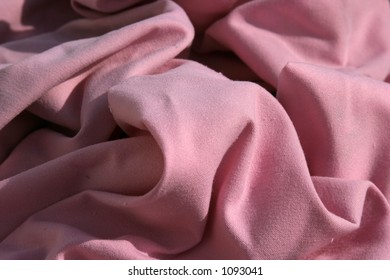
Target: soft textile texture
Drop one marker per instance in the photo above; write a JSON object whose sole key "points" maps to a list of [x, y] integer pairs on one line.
{"points": [[135, 129]]}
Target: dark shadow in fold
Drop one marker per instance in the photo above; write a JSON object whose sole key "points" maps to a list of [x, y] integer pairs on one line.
{"points": [[39, 16]]}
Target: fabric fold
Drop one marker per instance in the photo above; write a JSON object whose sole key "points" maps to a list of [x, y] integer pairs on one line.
{"points": [[172, 130], [75, 96], [267, 35]]}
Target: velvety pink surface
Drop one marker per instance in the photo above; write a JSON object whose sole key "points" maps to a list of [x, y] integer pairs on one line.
{"points": [[135, 129]]}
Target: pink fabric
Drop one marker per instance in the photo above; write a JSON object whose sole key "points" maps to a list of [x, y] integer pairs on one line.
{"points": [[137, 129]]}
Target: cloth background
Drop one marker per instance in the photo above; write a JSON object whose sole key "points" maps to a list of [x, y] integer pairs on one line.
{"points": [[226, 129]]}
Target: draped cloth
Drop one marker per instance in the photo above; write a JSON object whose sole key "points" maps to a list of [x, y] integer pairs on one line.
{"points": [[226, 129]]}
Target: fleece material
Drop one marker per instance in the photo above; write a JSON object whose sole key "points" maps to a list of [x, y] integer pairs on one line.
{"points": [[224, 129]]}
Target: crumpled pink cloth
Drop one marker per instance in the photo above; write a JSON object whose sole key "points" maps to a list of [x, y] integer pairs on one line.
{"points": [[224, 129]]}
